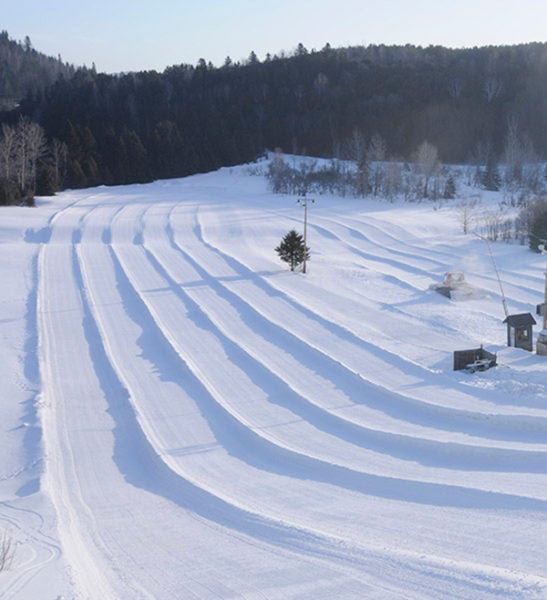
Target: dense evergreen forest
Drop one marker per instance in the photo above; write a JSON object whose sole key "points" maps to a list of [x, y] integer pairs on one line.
{"points": [[25, 71], [475, 105]]}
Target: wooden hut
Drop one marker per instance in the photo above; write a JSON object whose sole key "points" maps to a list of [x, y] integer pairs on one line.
{"points": [[519, 331]]}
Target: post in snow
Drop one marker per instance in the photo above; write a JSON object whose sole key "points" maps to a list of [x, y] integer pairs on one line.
{"points": [[541, 345], [304, 202]]}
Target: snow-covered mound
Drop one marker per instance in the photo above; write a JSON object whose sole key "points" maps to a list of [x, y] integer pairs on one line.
{"points": [[184, 418]]}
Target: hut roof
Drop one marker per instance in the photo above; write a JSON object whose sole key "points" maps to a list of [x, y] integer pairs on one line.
{"points": [[521, 320]]}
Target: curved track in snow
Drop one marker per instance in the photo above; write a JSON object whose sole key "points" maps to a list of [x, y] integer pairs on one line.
{"points": [[216, 427]]}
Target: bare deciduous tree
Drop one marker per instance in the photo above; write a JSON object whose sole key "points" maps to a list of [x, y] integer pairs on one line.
{"points": [[355, 148], [22, 146], [7, 151], [427, 164], [465, 213], [31, 146], [494, 225], [393, 181]]}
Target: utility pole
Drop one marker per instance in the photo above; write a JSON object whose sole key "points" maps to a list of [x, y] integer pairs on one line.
{"points": [[543, 250], [541, 346], [304, 202], [545, 303]]}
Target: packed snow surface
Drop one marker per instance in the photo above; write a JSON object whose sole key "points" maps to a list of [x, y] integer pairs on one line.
{"points": [[184, 418]]}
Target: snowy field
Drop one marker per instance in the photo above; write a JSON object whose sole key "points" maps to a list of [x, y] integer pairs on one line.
{"points": [[183, 418]]}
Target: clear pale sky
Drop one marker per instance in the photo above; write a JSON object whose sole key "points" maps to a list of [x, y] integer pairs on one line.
{"points": [[125, 35]]}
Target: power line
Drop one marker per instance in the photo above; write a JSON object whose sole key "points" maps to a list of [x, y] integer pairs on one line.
{"points": [[503, 300]]}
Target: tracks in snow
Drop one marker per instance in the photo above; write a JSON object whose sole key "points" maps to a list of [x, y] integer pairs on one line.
{"points": [[243, 404]]}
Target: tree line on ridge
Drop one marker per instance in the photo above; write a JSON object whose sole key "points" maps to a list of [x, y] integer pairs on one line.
{"points": [[137, 127]]}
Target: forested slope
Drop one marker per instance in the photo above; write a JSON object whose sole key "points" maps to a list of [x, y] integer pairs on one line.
{"points": [[136, 127]]}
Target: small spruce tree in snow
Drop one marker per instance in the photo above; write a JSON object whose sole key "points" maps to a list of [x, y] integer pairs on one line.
{"points": [[293, 250], [491, 179], [449, 188]]}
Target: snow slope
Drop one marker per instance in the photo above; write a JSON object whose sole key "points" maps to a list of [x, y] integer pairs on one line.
{"points": [[184, 418]]}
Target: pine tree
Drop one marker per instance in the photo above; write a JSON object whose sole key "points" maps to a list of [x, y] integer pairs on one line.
{"points": [[449, 188], [293, 250], [491, 179]]}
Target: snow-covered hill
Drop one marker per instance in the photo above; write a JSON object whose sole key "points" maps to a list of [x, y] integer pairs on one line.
{"points": [[184, 418]]}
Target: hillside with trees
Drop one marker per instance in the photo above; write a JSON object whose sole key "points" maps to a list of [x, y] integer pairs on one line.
{"points": [[480, 105], [26, 72]]}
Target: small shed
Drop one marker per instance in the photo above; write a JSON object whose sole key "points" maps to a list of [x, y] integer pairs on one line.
{"points": [[519, 331], [475, 359]]}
